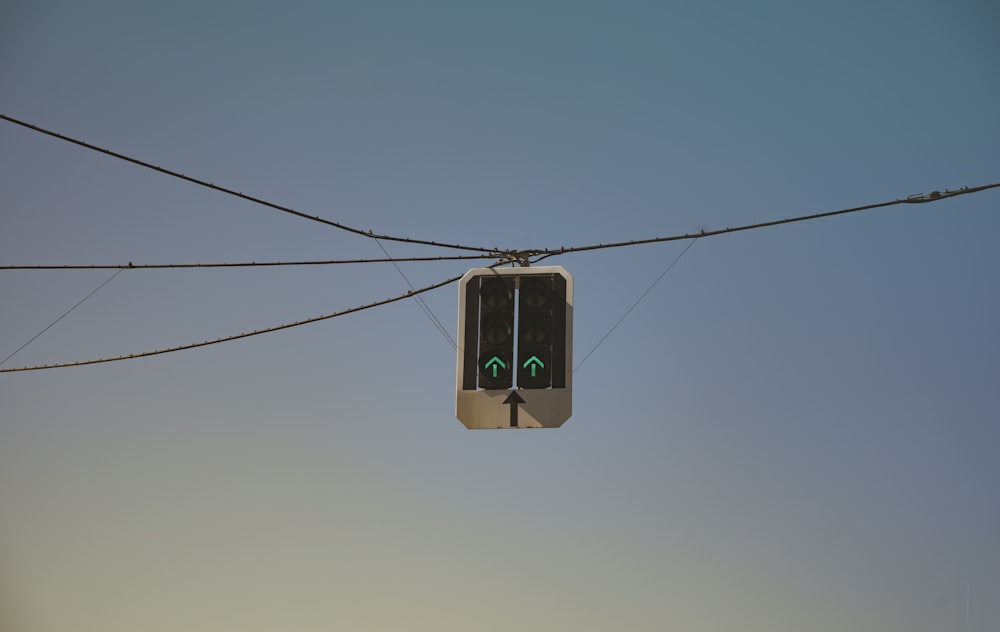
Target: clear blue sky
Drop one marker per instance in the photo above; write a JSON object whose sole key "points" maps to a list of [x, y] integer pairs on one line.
{"points": [[797, 429]]}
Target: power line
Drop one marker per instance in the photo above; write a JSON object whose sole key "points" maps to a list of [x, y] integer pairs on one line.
{"points": [[919, 198], [66, 313], [238, 336], [637, 301], [249, 198], [247, 264], [539, 255]]}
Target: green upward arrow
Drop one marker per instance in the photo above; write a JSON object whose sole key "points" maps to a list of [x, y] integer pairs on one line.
{"points": [[494, 362], [534, 363]]}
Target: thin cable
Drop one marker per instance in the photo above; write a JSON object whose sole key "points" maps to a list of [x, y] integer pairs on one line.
{"points": [[239, 336], [249, 198], [420, 300], [148, 266], [66, 313], [637, 301], [540, 255], [919, 198]]}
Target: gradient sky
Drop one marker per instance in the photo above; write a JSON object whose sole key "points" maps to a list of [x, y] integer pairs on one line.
{"points": [[797, 429]]}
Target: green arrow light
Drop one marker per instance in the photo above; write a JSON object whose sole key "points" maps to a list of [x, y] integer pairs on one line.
{"points": [[494, 362], [534, 363]]}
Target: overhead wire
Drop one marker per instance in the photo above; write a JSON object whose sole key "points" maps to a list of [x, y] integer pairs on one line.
{"points": [[534, 256], [538, 255], [248, 334], [246, 264], [284, 209], [912, 199], [920, 198]]}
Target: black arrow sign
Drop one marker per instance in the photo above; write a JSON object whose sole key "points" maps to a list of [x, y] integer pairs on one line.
{"points": [[513, 399]]}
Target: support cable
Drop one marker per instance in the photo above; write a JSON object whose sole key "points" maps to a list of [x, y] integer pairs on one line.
{"points": [[919, 198], [66, 313], [633, 306], [247, 264], [538, 255], [420, 300], [239, 336], [249, 198]]}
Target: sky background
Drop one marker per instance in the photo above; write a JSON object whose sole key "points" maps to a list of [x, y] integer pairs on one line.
{"points": [[796, 429]]}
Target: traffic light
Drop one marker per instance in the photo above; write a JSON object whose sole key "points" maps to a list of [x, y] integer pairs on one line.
{"points": [[534, 332], [496, 332], [514, 372]]}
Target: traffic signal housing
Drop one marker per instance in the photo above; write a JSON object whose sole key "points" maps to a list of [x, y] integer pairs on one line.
{"points": [[496, 354], [541, 331], [515, 341], [496, 332]]}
